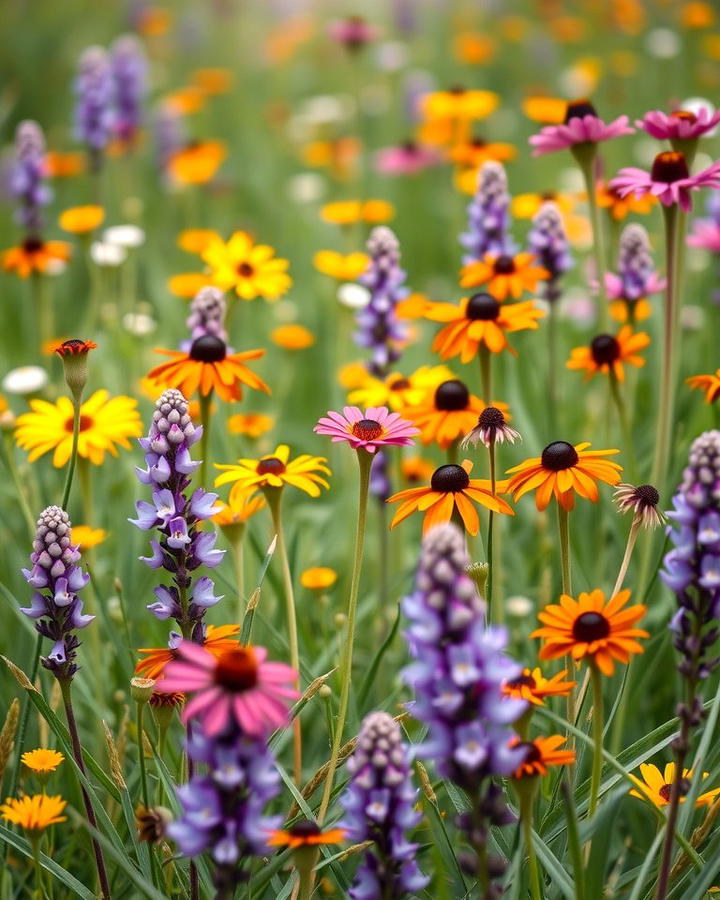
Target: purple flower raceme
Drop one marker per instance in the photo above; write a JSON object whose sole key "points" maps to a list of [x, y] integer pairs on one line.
{"points": [[27, 182], [169, 134], [222, 809], [57, 578], [129, 72], [379, 806], [378, 326], [207, 314], [548, 241], [180, 548], [457, 677], [636, 276], [94, 105], [488, 216]]}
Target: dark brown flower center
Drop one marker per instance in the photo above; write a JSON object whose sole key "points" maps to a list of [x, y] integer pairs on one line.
{"points": [[478, 143], [504, 265], [304, 828], [32, 244], [237, 670], [685, 115], [668, 167], [74, 345], [400, 384], [367, 429], [208, 348], [483, 307], [409, 146], [85, 423], [532, 753], [271, 465], [456, 89], [558, 456], [245, 270], [605, 349], [452, 395], [449, 479], [548, 195], [491, 417], [647, 495], [666, 790], [590, 626], [524, 680], [576, 109]]}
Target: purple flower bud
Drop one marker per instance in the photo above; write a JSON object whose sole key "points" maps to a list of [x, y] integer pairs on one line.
{"points": [[129, 73], [27, 177], [94, 92], [548, 241], [489, 217]]}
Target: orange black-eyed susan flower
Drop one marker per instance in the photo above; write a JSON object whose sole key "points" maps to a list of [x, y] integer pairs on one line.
{"points": [[477, 151], [531, 685], [618, 207], [197, 163], [218, 639], [542, 753], [563, 471], [305, 834], [415, 469], [656, 785], [275, 471], [395, 390], [451, 491], [607, 353], [42, 760], [710, 384], [241, 507], [35, 255], [480, 319], [445, 414], [106, 423], [34, 813], [208, 367], [593, 628], [292, 337], [251, 270], [81, 219], [459, 103], [503, 275], [548, 110]]}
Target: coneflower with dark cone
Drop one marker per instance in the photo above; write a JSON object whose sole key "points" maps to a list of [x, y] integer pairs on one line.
{"points": [[457, 677], [692, 570]]}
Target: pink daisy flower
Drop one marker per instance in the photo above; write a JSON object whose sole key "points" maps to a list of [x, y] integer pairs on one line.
{"points": [[353, 32], [237, 684], [376, 427], [582, 126], [407, 159], [680, 125], [705, 235], [669, 180]]}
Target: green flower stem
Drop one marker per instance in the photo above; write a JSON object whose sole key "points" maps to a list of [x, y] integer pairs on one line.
{"points": [[35, 838], [143, 782], [491, 561], [89, 811], [452, 453], [485, 374], [585, 156], [205, 401], [552, 367], [77, 404], [624, 425], [564, 530], [43, 306], [526, 789], [17, 483], [597, 731], [239, 562], [365, 461], [274, 498], [573, 839]]}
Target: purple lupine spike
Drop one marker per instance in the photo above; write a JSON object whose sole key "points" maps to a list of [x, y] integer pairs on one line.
{"points": [[488, 216], [636, 276], [94, 106], [548, 241], [379, 805], [57, 578], [207, 314], [129, 73], [223, 809], [175, 513], [27, 182], [457, 677], [169, 135], [379, 329]]}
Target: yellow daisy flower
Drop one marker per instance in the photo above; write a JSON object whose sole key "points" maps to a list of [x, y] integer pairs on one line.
{"points": [[42, 760], [276, 470], [399, 391], [86, 537], [318, 578], [105, 423], [342, 267], [656, 785], [252, 270], [33, 813]]}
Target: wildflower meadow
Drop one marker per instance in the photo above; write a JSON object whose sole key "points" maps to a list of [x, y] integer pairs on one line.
{"points": [[360, 452]]}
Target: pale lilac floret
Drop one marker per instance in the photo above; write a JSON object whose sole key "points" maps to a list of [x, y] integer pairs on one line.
{"points": [[679, 125], [376, 427]]}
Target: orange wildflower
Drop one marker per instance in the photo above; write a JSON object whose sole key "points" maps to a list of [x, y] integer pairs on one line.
{"points": [[504, 276], [607, 354], [708, 383], [218, 640], [35, 255], [542, 753], [534, 687], [197, 163], [81, 219]]}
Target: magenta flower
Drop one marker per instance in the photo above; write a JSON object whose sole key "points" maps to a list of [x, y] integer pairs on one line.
{"points": [[582, 126], [407, 159], [353, 33], [669, 180], [237, 685], [680, 125], [705, 235], [376, 427]]}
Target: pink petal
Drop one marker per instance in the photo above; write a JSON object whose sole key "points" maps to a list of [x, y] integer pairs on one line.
{"points": [[217, 717], [200, 702], [196, 654], [246, 716]]}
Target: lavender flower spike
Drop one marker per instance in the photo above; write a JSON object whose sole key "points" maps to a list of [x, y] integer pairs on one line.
{"points": [[636, 277], [57, 578], [458, 673], [207, 314], [378, 326], [548, 241], [27, 182], [488, 216], [379, 806], [174, 513], [129, 72], [94, 110]]}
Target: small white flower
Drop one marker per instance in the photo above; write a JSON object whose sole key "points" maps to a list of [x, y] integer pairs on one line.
{"points": [[354, 296], [139, 324], [519, 607], [25, 380], [124, 236], [307, 187], [104, 254], [662, 43]]}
